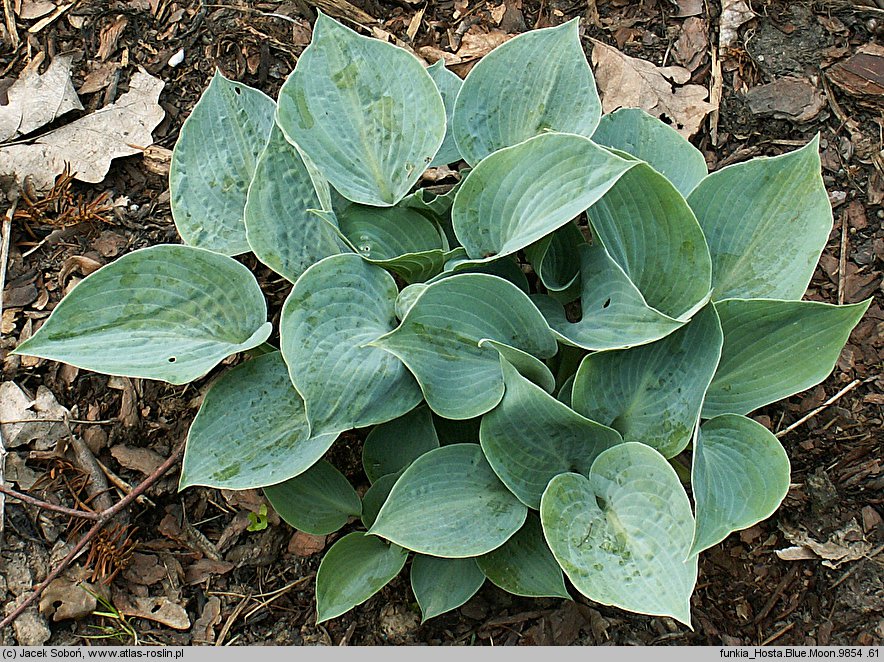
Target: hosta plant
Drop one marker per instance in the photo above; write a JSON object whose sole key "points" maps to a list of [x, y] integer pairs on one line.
{"points": [[540, 358]]}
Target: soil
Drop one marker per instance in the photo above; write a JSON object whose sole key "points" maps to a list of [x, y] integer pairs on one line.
{"points": [[194, 572]]}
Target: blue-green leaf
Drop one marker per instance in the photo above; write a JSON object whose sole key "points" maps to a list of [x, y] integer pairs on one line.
{"points": [[530, 437], [740, 475], [537, 82], [449, 84], [524, 566], [251, 430], [766, 221], [335, 309], [614, 314], [213, 163], [633, 131], [623, 534], [366, 112], [392, 446], [355, 568], [439, 340], [773, 349], [653, 394], [450, 503], [318, 501], [441, 585], [520, 194], [280, 230], [166, 312]]}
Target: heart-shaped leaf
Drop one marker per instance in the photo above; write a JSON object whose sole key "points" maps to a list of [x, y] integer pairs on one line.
{"points": [[530, 437], [335, 309], [653, 393], [614, 312], [213, 163], [281, 231], [166, 312], [622, 534], [766, 221], [450, 503], [633, 131], [394, 445], [651, 233], [366, 112], [773, 349], [520, 194], [740, 475], [524, 566], [439, 340], [355, 568], [449, 84], [251, 430], [537, 82], [318, 501], [441, 585]]}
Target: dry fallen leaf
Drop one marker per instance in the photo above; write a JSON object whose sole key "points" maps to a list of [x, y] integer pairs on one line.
{"points": [[90, 143], [628, 82], [66, 598], [306, 544], [35, 99], [475, 44], [690, 47], [788, 98], [99, 77], [733, 14], [142, 460], [844, 545], [15, 405], [159, 609], [689, 8], [204, 628]]}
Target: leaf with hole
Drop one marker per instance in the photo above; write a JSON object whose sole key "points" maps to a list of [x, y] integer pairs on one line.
{"points": [[166, 312], [214, 161]]}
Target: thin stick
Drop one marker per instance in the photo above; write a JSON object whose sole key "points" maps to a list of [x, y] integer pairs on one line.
{"points": [[104, 517], [4, 260], [779, 633], [46, 505], [842, 259], [844, 391]]}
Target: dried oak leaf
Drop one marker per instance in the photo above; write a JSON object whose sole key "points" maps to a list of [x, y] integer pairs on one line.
{"points": [[90, 143], [36, 99], [628, 82], [158, 609]]}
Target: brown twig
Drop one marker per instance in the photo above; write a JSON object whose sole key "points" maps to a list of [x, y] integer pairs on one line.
{"points": [[4, 259], [844, 391], [104, 517], [46, 505]]}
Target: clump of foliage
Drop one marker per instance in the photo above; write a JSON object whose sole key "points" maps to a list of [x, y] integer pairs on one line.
{"points": [[523, 429]]}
